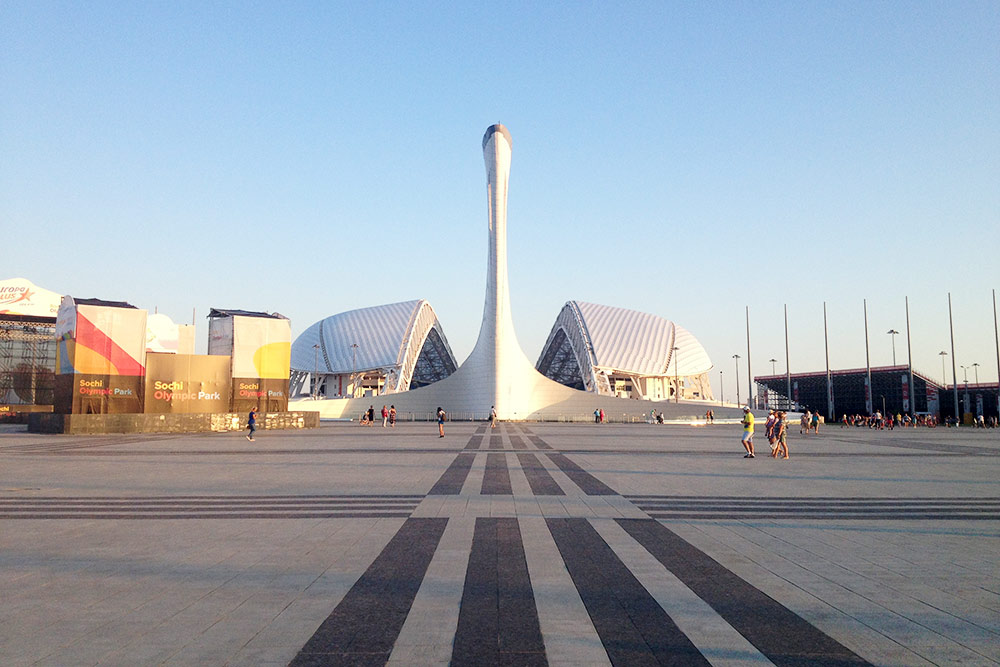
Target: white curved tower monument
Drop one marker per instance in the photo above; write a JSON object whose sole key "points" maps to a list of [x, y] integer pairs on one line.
{"points": [[497, 371]]}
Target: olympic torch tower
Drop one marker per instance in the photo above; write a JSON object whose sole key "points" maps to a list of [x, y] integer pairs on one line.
{"points": [[498, 372]]}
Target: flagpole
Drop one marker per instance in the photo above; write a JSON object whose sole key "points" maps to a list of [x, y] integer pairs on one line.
{"points": [[830, 412], [954, 371], [749, 374], [909, 359], [868, 366], [788, 368]]}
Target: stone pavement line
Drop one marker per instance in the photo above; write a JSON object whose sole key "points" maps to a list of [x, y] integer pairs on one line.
{"points": [[589, 484], [968, 624], [787, 582], [782, 635], [569, 634], [209, 507], [366, 623], [539, 479], [931, 631], [498, 622], [634, 629], [766, 507], [453, 479], [718, 641], [429, 631], [496, 479]]}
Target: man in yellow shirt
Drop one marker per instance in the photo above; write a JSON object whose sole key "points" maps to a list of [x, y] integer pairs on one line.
{"points": [[747, 432]]}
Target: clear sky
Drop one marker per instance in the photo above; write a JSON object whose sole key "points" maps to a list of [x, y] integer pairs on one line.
{"points": [[684, 159]]}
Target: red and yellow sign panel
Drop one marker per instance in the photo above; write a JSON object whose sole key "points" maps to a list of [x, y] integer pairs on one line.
{"points": [[100, 359]]}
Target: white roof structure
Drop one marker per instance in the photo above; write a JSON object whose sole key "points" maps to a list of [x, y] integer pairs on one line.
{"points": [[589, 340], [403, 341]]}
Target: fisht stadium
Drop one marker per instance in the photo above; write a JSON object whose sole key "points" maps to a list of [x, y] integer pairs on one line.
{"points": [[600, 349], [371, 351], [619, 352]]}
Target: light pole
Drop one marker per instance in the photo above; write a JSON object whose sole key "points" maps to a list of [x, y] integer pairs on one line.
{"points": [[773, 362], [722, 390], [893, 333], [354, 369], [677, 383], [944, 378], [965, 374], [316, 374], [975, 367], [737, 358]]}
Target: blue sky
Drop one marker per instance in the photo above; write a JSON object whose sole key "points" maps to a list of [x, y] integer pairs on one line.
{"points": [[683, 159]]}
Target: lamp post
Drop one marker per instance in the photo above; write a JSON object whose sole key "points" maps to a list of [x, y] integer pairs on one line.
{"points": [[354, 369], [965, 374], [722, 390], [773, 362], [944, 378], [893, 333], [737, 358], [975, 367], [677, 383], [316, 373]]}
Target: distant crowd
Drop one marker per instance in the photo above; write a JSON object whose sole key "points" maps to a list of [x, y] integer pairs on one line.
{"points": [[881, 422]]}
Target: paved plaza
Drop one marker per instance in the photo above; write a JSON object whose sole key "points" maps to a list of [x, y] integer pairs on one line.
{"points": [[536, 543]]}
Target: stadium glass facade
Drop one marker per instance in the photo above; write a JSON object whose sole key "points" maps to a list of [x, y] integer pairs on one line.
{"points": [[890, 392]]}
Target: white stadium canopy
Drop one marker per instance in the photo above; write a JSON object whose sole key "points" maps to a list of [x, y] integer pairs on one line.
{"points": [[590, 343], [402, 342]]}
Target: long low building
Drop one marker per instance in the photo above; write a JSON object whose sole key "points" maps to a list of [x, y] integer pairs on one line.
{"points": [[850, 393]]}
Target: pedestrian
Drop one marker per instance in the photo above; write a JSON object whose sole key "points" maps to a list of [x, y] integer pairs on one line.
{"points": [[804, 422], [385, 416], [392, 416], [597, 416], [711, 416], [493, 416], [782, 428], [772, 418], [252, 423], [747, 440], [441, 416], [371, 415], [602, 415], [815, 423]]}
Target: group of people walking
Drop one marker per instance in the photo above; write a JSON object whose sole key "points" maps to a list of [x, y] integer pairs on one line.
{"points": [[388, 416], [775, 428]]}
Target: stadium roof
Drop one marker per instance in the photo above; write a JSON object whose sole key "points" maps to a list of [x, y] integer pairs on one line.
{"points": [[588, 337], [225, 312], [403, 340]]}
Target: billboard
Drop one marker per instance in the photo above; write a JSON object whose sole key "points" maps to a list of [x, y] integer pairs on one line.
{"points": [[187, 383], [100, 358], [261, 349], [19, 296]]}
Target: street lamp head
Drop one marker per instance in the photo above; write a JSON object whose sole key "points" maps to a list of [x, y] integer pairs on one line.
{"points": [[892, 331]]}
